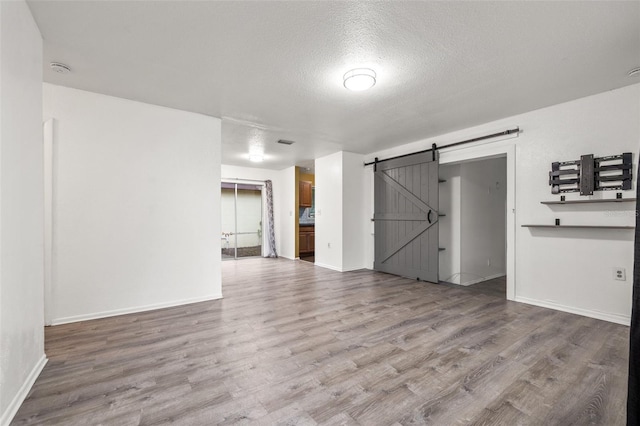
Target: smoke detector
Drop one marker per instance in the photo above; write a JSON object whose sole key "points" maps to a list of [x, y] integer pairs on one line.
{"points": [[634, 72], [60, 68]]}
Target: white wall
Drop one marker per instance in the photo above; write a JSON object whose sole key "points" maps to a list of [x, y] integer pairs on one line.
{"points": [[283, 182], [329, 208], [341, 204], [449, 226], [21, 207], [570, 270], [136, 205], [287, 216], [353, 209], [483, 220]]}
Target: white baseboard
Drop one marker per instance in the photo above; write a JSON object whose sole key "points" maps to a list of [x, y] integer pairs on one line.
{"points": [[605, 316], [479, 280], [333, 268], [353, 269], [19, 398], [133, 310]]}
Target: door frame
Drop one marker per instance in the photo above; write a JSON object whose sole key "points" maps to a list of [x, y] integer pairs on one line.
{"points": [[485, 151], [47, 129]]}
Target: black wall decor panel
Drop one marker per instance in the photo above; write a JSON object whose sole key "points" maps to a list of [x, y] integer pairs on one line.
{"points": [[587, 177], [591, 174], [564, 177]]}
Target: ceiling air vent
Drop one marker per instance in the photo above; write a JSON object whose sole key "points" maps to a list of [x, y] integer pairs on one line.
{"points": [[286, 142]]}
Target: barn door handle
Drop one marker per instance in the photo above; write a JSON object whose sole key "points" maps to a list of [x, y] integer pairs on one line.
{"points": [[429, 216]]}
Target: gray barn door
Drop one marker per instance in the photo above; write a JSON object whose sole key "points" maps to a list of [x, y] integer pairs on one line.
{"points": [[406, 217]]}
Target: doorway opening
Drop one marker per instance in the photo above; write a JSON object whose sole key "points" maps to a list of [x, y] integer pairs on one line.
{"points": [[241, 213], [305, 207], [473, 225]]}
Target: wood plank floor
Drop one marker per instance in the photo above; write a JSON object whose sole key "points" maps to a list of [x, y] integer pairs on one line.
{"points": [[496, 287], [296, 344]]}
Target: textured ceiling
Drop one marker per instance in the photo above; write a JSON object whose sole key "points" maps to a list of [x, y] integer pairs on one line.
{"points": [[273, 70]]}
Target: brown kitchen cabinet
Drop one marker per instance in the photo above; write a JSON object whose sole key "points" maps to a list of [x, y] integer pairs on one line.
{"points": [[305, 197], [306, 240]]}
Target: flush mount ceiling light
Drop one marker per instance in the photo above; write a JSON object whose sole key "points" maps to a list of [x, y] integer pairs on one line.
{"points": [[359, 79], [60, 68], [634, 72], [256, 154]]}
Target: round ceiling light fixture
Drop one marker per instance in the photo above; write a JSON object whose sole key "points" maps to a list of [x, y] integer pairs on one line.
{"points": [[359, 79], [60, 68], [634, 72]]}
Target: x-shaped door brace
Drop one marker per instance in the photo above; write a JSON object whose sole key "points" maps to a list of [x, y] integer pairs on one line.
{"points": [[425, 216]]}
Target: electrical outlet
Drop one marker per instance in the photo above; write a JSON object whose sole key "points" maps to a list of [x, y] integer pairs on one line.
{"points": [[488, 262], [619, 274]]}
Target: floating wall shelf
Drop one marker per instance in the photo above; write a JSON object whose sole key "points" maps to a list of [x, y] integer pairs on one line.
{"points": [[612, 200], [580, 226]]}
